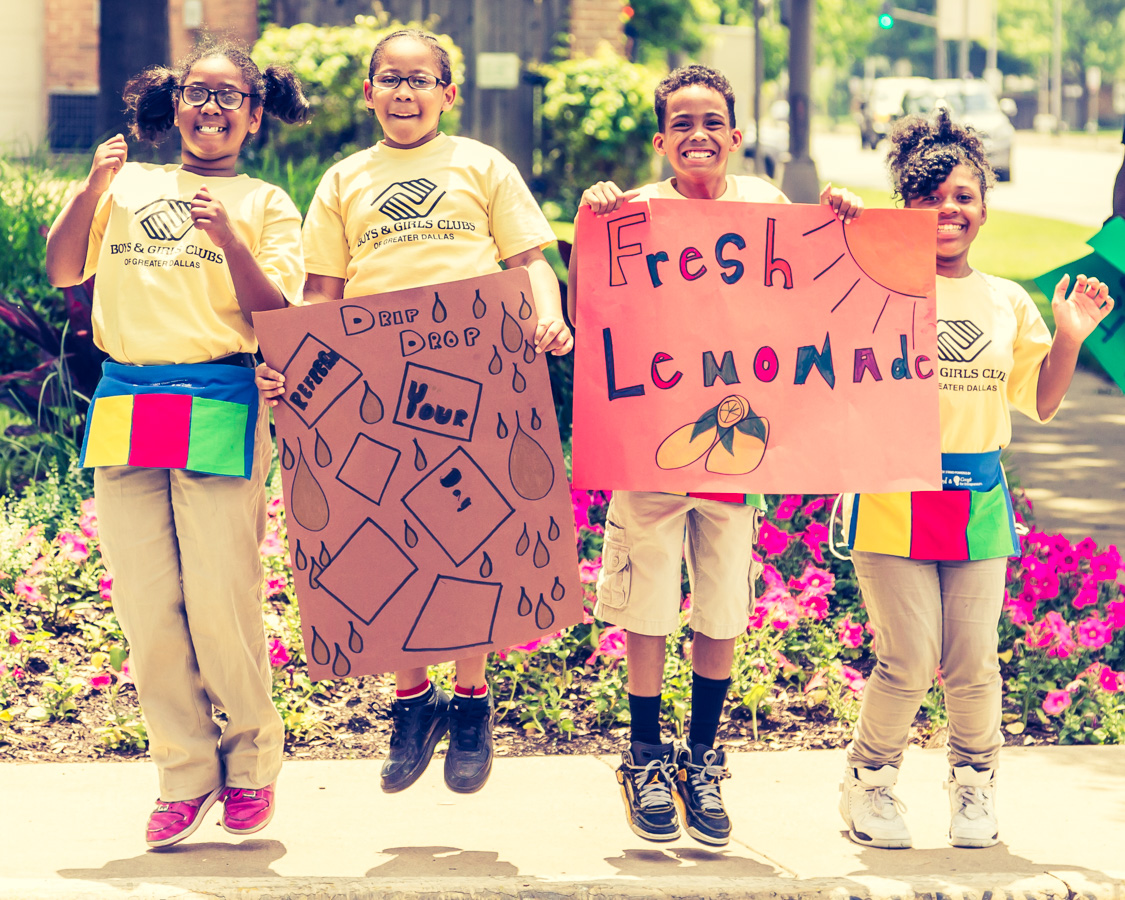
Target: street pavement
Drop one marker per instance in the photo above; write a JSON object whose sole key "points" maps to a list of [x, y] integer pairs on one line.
{"points": [[554, 827]]}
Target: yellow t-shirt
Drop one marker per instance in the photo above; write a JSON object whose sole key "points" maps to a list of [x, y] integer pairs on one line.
{"points": [[164, 293], [991, 343], [740, 188], [386, 219]]}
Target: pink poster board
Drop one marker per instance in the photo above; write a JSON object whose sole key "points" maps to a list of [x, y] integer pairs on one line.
{"points": [[749, 347], [426, 499]]}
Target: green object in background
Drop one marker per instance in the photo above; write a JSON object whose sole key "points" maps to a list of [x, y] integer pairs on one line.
{"points": [[1110, 244], [1107, 343]]}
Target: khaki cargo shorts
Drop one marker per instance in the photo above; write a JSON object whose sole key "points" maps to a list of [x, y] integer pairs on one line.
{"points": [[646, 535]]}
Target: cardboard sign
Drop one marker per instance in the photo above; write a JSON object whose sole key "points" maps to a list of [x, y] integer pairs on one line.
{"points": [[1107, 342], [425, 489], [748, 347]]}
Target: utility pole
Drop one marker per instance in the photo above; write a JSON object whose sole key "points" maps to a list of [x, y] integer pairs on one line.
{"points": [[799, 181], [1056, 70], [759, 78]]}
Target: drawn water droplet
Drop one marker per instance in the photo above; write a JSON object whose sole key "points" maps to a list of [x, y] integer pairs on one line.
{"points": [[496, 364], [553, 530], [523, 543], [544, 615], [325, 556], [286, 456], [541, 556], [557, 590], [315, 569], [371, 406], [486, 566], [536, 422], [519, 383], [299, 558], [511, 335], [438, 311], [355, 639], [310, 506], [419, 456], [529, 467], [525, 307], [409, 534], [321, 451], [319, 649], [524, 606], [528, 353], [501, 426], [341, 665], [479, 307]]}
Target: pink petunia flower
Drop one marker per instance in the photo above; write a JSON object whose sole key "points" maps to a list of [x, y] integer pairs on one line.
{"points": [[588, 570], [1087, 548], [101, 680], [1111, 681], [814, 506], [815, 536], [853, 680], [849, 632], [275, 584], [28, 591], [12, 639], [1093, 633], [789, 504], [1115, 612], [814, 580], [1060, 543], [279, 653], [1105, 566], [1063, 562], [612, 644], [1086, 595], [274, 506], [784, 664], [105, 587], [72, 547], [773, 540], [813, 604], [1055, 702], [272, 545]]}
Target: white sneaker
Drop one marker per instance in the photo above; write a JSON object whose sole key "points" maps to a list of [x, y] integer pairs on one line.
{"points": [[872, 811], [972, 804]]}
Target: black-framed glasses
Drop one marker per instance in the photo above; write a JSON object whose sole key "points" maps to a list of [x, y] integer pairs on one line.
{"points": [[389, 82], [227, 98]]}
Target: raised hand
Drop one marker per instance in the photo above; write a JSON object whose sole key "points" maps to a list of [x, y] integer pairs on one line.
{"points": [[108, 160], [606, 197], [1078, 315], [844, 203]]}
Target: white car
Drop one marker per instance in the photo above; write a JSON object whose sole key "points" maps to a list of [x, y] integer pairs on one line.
{"points": [[971, 103]]}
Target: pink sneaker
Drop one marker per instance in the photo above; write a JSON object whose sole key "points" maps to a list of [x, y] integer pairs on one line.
{"points": [[174, 821], [246, 811]]}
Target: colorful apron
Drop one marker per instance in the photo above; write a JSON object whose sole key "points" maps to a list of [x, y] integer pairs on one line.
{"points": [[197, 416], [970, 518]]}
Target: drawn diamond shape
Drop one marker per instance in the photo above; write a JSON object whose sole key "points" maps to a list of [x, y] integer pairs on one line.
{"points": [[367, 572]]}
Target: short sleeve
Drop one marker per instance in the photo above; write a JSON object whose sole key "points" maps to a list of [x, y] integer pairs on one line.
{"points": [[1032, 343], [325, 241], [514, 218], [279, 248], [97, 233]]}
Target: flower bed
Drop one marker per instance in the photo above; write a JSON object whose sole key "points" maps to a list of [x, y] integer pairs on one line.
{"points": [[807, 649]]}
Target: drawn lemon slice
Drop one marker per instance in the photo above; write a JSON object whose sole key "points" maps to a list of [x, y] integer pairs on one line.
{"points": [[684, 446], [741, 449]]}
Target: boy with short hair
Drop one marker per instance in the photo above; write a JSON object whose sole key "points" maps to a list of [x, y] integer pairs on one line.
{"points": [[639, 585]]}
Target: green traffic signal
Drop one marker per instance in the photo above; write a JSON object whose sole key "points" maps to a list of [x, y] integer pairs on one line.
{"points": [[886, 20]]}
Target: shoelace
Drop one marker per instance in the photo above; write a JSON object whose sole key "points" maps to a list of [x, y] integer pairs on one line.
{"points": [[399, 713], [884, 802], [654, 783], [467, 726], [705, 782], [973, 802]]}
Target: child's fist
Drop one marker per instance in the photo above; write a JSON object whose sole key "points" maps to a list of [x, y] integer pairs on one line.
{"points": [[606, 197], [108, 160], [844, 203], [210, 216]]}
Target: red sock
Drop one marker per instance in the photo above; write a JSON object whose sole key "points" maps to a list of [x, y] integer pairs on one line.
{"points": [[474, 692], [413, 693]]}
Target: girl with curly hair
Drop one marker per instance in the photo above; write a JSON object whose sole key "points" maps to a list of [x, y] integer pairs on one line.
{"points": [[185, 254], [931, 564]]}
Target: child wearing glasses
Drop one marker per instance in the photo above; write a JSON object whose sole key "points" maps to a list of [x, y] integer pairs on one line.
{"points": [[422, 208], [184, 254]]}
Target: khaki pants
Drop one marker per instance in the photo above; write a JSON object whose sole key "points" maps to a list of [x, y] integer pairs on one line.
{"points": [[928, 614], [187, 578]]}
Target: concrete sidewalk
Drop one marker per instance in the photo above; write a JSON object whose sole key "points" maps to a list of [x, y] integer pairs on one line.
{"points": [[1072, 467], [555, 827]]}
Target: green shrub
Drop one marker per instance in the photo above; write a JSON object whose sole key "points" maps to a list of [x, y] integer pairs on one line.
{"points": [[598, 123], [332, 62]]}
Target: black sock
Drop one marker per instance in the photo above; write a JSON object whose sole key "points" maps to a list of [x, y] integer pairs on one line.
{"points": [[644, 716], [707, 698]]}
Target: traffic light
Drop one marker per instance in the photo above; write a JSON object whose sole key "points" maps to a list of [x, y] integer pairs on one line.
{"points": [[887, 17]]}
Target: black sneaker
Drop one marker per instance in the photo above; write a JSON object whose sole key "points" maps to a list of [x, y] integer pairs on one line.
{"points": [[417, 729], [698, 774], [468, 762], [645, 775]]}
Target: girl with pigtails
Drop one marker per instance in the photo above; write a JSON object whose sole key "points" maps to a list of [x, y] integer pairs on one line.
{"points": [[185, 254], [931, 564]]}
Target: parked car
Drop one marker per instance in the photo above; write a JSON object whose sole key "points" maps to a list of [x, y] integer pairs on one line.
{"points": [[973, 103], [881, 105], [774, 144]]}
